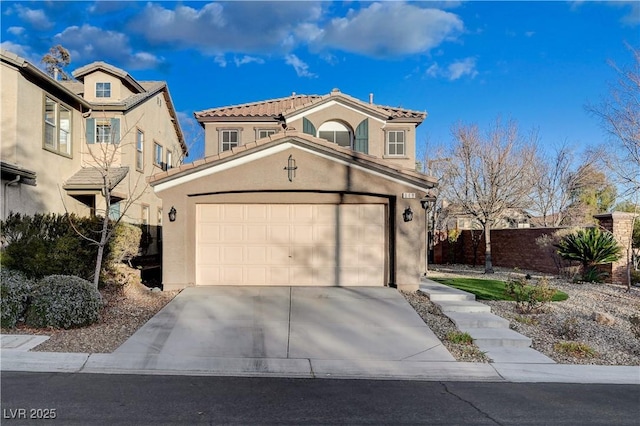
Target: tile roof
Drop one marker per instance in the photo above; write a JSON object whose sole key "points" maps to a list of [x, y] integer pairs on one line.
{"points": [[315, 143], [92, 178], [297, 103]]}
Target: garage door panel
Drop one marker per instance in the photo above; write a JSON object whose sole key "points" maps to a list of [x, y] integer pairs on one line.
{"points": [[281, 244]]}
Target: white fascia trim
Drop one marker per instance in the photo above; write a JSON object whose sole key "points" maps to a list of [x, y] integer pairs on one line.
{"points": [[267, 152], [327, 105]]}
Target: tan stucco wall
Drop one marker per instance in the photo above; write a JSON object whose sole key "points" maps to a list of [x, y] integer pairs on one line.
{"points": [[22, 129], [347, 116], [118, 90], [22, 144], [313, 174]]}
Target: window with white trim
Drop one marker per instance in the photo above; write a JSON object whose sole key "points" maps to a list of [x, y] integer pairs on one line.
{"points": [[157, 154], [396, 142], [264, 133], [57, 127], [103, 90], [228, 139], [104, 132], [336, 132], [169, 162], [140, 150]]}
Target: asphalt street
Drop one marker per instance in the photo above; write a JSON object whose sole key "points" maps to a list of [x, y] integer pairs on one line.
{"points": [[104, 399]]}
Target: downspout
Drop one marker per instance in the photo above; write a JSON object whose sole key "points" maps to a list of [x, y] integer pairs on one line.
{"points": [[4, 204]]}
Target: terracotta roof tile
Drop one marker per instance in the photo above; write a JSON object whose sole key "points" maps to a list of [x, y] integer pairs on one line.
{"points": [[285, 106]]}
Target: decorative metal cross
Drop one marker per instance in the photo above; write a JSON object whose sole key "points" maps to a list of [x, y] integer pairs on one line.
{"points": [[291, 168]]}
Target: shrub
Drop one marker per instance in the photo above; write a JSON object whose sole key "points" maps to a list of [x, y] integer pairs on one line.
{"points": [[47, 244], [569, 328], [124, 244], [14, 295], [591, 247], [63, 301], [460, 338], [529, 298], [574, 349], [635, 324]]}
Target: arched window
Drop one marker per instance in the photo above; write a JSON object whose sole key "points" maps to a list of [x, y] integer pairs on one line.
{"points": [[336, 132]]}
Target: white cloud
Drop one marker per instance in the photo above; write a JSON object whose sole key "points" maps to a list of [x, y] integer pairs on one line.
{"points": [[34, 17], [220, 60], [89, 43], [18, 49], [216, 28], [466, 67], [302, 68], [16, 31], [247, 60], [455, 70], [391, 29]]}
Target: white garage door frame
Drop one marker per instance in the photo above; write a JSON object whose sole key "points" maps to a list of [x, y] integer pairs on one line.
{"points": [[292, 244]]}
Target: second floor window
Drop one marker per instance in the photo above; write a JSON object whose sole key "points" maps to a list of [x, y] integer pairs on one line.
{"points": [[335, 132], [263, 133], [228, 139], [140, 150], [103, 90], [169, 163], [57, 127], [157, 157], [395, 142], [103, 130]]}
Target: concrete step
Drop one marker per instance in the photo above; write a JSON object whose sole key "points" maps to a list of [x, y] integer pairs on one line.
{"points": [[486, 338], [507, 354], [447, 294], [461, 306], [477, 320]]}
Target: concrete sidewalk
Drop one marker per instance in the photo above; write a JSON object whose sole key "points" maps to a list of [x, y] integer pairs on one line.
{"points": [[307, 333]]}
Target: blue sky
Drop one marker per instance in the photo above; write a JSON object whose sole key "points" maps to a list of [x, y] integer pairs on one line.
{"points": [[536, 62]]}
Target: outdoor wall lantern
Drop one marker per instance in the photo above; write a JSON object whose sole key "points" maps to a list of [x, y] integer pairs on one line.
{"points": [[407, 215], [428, 199], [172, 214]]}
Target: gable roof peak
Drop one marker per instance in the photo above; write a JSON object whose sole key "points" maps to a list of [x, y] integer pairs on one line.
{"points": [[81, 72]]}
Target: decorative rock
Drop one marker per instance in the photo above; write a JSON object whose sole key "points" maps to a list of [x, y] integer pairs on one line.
{"points": [[603, 318], [156, 289]]}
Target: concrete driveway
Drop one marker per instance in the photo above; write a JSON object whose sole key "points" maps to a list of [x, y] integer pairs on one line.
{"points": [[322, 323]]}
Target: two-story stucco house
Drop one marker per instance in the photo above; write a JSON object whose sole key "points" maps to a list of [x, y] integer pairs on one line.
{"points": [[301, 190], [57, 136]]}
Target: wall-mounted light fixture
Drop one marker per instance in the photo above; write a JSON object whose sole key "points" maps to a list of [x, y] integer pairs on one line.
{"points": [[291, 168], [407, 215], [172, 214]]}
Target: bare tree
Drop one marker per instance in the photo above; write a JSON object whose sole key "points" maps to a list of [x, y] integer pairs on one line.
{"points": [[103, 159], [619, 114], [553, 176], [489, 173]]}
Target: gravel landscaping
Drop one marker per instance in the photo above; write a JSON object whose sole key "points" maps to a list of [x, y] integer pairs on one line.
{"points": [[612, 339]]}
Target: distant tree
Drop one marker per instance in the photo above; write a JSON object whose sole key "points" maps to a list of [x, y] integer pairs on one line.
{"points": [[489, 173], [591, 192], [55, 61], [554, 177]]}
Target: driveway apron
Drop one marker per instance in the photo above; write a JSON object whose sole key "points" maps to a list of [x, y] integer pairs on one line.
{"points": [[324, 323]]}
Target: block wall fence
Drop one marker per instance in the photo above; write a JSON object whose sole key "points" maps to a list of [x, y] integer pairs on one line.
{"points": [[517, 248]]}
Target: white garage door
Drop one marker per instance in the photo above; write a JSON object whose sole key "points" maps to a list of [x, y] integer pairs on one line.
{"points": [[290, 244]]}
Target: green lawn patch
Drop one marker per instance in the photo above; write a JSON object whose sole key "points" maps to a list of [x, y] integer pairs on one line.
{"points": [[487, 289]]}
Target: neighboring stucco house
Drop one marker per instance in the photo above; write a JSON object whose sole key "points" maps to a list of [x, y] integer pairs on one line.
{"points": [[55, 136], [301, 190], [453, 217]]}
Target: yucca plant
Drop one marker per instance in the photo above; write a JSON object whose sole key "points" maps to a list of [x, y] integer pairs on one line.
{"points": [[591, 247]]}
